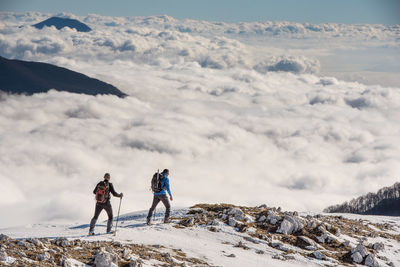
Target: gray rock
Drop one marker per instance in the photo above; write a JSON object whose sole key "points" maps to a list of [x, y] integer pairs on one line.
{"points": [[44, 256], [4, 237], [23, 243], [231, 255], [319, 255], [126, 253], [36, 242], [356, 257], [21, 254], [291, 224], [371, 261], [378, 246], [136, 263], [188, 222], [214, 223], [232, 222], [322, 238], [279, 246], [273, 217], [3, 255], [262, 218], [278, 257], [361, 249], [168, 257], [62, 242], [105, 258], [237, 213]]}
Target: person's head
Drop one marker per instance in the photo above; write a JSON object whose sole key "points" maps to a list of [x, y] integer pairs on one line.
{"points": [[107, 176], [166, 172]]}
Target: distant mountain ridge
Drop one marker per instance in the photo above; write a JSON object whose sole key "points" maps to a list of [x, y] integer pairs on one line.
{"points": [[60, 23], [25, 77], [385, 202]]}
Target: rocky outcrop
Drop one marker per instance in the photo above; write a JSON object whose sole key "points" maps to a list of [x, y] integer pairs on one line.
{"points": [[65, 252], [320, 237]]}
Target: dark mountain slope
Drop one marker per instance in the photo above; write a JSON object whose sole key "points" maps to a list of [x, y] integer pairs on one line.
{"points": [[24, 77], [60, 23], [385, 202]]}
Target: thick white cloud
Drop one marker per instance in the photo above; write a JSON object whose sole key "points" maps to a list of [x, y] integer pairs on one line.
{"points": [[227, 130]]}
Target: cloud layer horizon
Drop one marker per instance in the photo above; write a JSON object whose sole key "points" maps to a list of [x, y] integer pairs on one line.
{"points": [[237, 117]]}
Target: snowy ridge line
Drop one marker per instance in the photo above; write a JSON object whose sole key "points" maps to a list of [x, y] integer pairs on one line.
{"points": [[366, 204], [212, 235]]}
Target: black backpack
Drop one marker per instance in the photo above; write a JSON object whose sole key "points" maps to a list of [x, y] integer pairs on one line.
{"points": [[156, 182], [102, 193]]}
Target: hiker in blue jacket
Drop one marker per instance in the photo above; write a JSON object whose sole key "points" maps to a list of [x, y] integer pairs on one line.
{"points": [[162, 196]]}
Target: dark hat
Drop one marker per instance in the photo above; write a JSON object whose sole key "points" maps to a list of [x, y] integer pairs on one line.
{"points": [[106, 175], [165, 171]]}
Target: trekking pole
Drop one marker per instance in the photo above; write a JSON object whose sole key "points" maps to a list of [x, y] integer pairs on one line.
{"points": [[116, 225]]}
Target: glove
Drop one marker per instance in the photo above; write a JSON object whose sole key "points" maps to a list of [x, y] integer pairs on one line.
{"points": [[121, 195]]}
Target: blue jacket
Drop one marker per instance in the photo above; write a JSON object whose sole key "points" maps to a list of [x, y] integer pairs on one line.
{"points": [[164, 186]]}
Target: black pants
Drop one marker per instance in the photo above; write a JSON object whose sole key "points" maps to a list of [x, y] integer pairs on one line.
{"points": [[156, 200], [99, 208]]}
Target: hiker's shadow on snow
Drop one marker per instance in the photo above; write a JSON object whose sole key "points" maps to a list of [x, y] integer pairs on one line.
{"points": [[134, 225], [82, 226]]}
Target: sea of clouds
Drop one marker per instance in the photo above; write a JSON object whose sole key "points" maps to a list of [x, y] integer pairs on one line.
{"points": [[239, 113]]}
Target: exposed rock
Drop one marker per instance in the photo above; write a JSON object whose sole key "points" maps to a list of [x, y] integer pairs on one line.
{"points": [[168, 257], [307, 243], [36, 242], [356, 257], [126, 252], [62, 242], [319, 255], [105, 259], [3, 255], [361, 249], [232, 222], [279, 246], [371, 261], [44, 256], [262, 218], [214, 222], [378, 246], [291, 224], [279, 257], [237, 213], [23, 243], [248, 218], [273, 217], [4, 237], [136, 263], [188, 222]]}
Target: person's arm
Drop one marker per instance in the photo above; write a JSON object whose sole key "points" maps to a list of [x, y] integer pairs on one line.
{"points": [[166, 184], [112, 191], [95, 189]]}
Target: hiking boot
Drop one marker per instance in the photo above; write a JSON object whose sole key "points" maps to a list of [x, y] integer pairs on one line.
{"points": [[110, 232], [166, 220], [148, 222], [91, 233]]}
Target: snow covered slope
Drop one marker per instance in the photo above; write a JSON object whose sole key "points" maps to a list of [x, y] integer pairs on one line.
{"points": [[217, 235]]}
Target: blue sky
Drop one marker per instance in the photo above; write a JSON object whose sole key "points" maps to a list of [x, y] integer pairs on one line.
{"points": [[313, 11]]}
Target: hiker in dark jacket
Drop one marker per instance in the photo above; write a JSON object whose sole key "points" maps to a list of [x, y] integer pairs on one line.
{"points": [[162, 196], [103, 202]]}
